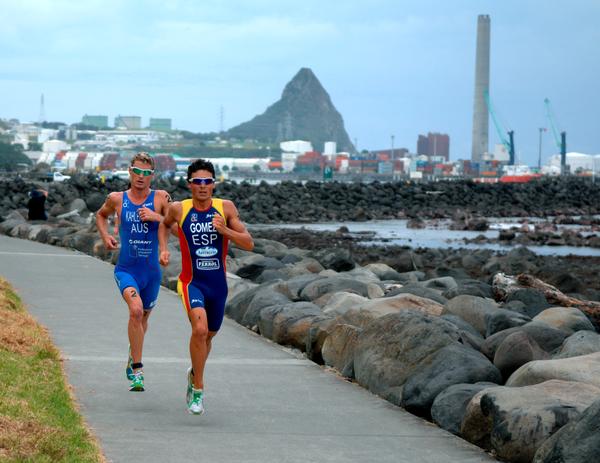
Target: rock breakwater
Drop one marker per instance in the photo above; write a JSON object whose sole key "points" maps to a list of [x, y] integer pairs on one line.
{"points": [[333, 201]]}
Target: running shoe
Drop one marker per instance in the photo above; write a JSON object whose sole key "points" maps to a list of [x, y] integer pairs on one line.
{"points": [[196, 405], [190, 385], [137, 383], [128, 369]]}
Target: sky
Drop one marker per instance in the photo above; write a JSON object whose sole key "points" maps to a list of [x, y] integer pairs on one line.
{"points": [[392, 67]]}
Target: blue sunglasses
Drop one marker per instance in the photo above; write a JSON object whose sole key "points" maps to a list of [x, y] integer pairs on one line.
{"points": [[202, 180]]}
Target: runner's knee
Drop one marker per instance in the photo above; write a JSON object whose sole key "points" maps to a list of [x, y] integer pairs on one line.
{"points": [[136, 313], [200, 331]]}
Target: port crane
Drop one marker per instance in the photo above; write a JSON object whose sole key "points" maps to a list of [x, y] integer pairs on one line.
{"points": [[508, 143], [561, 142]]}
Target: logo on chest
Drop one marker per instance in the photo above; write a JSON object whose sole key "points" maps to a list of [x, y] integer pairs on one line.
{"points": [[206, 252]]}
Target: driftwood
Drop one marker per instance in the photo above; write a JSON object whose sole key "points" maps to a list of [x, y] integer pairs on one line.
{"points": [[504, 285]]}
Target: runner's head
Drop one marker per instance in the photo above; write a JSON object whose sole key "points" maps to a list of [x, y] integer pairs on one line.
{"points": [[141, 170], [200, 164], [201, 179]]}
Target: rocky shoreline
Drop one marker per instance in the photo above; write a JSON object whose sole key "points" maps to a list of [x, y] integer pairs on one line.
{"points": [[436, 331], [465, 202]]}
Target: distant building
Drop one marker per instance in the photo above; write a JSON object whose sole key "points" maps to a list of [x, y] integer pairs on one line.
{"points": [[95, 121], [388, 154], [434, 144], [54, 146], [161, 124], [577, 162], [296, 146], [330, 148], [128, 122]]}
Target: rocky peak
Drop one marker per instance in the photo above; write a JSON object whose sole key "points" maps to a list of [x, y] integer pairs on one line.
{"points": [[304, 112]]}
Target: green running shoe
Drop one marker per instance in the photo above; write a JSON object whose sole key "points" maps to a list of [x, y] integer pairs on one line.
{"points": [[196, 405], [190, 385], [128, 369], [137, 383]]}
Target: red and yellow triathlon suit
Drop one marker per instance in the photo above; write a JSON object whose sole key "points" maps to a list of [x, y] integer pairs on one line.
{"points": [[203, 281]]}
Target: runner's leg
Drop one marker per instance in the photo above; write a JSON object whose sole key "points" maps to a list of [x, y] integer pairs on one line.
{"points": [[135, 326], [199, 344]]}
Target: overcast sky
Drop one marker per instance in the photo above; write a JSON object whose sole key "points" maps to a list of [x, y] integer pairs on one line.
{"points": [[391, 67]]}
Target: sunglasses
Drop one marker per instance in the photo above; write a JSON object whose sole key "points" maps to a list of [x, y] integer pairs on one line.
{"points": [[202, 180], [144, 172]]}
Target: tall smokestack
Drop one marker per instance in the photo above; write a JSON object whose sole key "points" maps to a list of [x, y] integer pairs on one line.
{"points": [[482, 85]]}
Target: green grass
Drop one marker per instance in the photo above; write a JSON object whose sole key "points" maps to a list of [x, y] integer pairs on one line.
{"points": [[38, 419]]}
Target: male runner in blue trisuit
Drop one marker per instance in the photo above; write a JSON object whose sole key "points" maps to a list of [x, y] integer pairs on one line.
{"points": [[137, 273], [206, 225]]}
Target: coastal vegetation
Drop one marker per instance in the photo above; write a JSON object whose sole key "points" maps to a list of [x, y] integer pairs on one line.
{"points": [[39, 421]]}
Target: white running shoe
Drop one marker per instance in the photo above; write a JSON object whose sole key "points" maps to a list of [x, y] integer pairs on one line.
{"points": [[196, 405]]}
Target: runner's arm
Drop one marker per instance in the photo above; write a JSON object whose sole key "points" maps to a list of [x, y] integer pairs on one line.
{"points": [[235, 230], [107, 210], [170, 220], [167, 205]]}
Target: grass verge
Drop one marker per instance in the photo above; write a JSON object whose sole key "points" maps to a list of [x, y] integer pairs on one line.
{"points": [[39, 421]]}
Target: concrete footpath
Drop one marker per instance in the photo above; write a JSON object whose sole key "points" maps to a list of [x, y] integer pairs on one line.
{"points": [[263, 403]]}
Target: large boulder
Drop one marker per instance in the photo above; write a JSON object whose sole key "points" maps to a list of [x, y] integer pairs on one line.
{"points": [[385, 305], [580, 343], [294, 286], [503, 319], [94, 201], [568, 319], [78, 205], [362, 274], [337, 259], [585, 369], [338, 348], [533, 299], [236, 285], [523, 418], [476, 426], [267, 297], [452, 364], [449, 407], [411, 276], [270, 248], [441, 284], [474, 310], [291, 325], [319, 330], [384, 272], [547, 337], [468, 335], [237, 305], [405, 261], [469, 288], [516, 350], [254, 269], [391, 347], [418, 290], [342, 302], [82, 241], [576, 442], [39, 232], [334, 284]]}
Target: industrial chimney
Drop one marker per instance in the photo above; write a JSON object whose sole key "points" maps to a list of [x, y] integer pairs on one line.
{"points": [[482, 85]]}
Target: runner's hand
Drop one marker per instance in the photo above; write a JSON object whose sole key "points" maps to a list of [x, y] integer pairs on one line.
{"points": [[110, 243], [219, 223], [164, 258], [148, 215]]}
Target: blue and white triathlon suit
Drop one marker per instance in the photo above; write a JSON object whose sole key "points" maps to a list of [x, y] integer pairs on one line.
{"points": [[138, 265]]}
